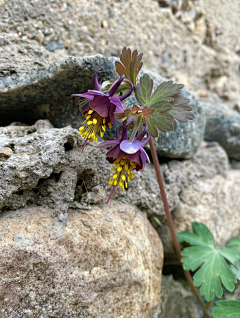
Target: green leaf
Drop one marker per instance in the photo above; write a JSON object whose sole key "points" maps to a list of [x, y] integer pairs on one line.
{"points": [[144, 89], [165, 92], [181, 111], [236, 270], [162, 121], [168, 103], [210, 262], [226, 309], [234, 244], [156, 219]]}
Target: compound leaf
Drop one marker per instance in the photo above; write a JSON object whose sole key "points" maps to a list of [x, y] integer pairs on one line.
{"points": [[168, 103], [234, 244], [226, 309], [210, 262]]}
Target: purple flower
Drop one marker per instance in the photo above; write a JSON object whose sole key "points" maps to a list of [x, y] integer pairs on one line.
{"points": [[100, 111], [126, 156]]}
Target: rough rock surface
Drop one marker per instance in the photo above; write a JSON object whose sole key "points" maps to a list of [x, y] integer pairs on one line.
{"points": [[46, 93], [223, 126], [178, 300], [105, 262], [210, 193], [47, 168], [194, 42]]}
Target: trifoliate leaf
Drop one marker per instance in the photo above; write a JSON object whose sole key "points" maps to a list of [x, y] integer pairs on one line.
{"points": [[167, 101], [213, 267], [226, 309], [234, 244], [236, 270], [130, 64]]}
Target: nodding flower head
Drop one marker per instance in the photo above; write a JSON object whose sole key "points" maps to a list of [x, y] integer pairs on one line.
{"points": [[126, 156], [100, 111]]}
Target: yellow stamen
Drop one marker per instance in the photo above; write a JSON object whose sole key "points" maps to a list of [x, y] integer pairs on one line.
{"points": [[103, 127], [94, 121], [120, 172], [101, 133], [81, 128], [90, 111], [110, 125], [89, 122], [104, 120], [89, 116]]}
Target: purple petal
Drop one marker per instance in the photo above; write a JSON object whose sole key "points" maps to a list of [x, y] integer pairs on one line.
{"points": [[140, 137], [122, 97], [146, 140], [124, 134], [116, 101], [135, 158], [107, 144], [143, 152], [111, 113], [130, 147], [118, 132], [101, 105], [86, 109], [115, 152], [96, 85], [86, 95], [115, 86], [95, 93]]}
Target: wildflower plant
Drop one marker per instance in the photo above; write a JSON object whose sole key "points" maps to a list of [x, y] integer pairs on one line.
{"points": [[158, 109]]}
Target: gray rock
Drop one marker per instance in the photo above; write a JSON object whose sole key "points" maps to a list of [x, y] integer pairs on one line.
{"points": [[46, 93], [54, 45], [47, 167], [210, 194], [223, 126], [177, 300]]}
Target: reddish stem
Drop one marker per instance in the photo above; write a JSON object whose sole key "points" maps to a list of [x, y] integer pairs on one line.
{"points": [[171, 225]]}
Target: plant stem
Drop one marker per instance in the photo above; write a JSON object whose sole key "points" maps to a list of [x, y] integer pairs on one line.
{"points": [[207, 306], [171, 225]]}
